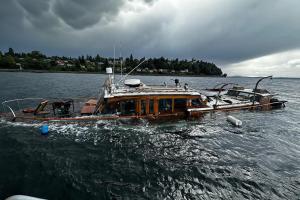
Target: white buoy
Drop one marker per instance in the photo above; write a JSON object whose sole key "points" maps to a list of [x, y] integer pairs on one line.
{"points": [[234, 121]]}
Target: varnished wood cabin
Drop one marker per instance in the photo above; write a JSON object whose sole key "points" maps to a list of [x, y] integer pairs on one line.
{"points": [[136, 99]]}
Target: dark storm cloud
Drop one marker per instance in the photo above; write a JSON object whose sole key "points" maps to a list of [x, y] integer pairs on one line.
{"points": [[222, 31], [38, 13], [77, 14], [81, 14], [11, 22]]}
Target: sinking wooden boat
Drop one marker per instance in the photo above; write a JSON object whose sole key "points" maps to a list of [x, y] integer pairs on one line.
{"points": [[132, 99]]}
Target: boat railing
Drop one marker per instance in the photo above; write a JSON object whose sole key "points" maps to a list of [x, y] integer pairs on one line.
{"points": [[15, 105]]}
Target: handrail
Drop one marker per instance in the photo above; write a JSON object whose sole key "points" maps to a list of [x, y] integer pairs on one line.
{"points": [[4, 103], [11, 110], [256, 85], [220, 89], [223, 85], [24, 99]]}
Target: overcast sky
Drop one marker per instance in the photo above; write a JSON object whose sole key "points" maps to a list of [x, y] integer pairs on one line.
{"points": [[243, 37]]}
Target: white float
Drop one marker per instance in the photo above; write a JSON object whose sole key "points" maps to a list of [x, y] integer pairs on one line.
{"points": [[234, 121], [22, 197]]}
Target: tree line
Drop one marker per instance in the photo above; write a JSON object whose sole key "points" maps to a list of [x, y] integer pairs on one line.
{"points": [[36, 60]]}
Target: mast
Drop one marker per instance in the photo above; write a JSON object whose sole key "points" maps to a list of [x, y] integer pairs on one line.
{"points": [[123, 78], [121, 64]]}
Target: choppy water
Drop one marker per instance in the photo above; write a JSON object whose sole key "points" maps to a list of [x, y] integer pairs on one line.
{"points": [[205, 159]]}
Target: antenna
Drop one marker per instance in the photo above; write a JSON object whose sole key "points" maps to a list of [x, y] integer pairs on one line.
{"points": [[121, 61], [122, 79], [114, 61]]}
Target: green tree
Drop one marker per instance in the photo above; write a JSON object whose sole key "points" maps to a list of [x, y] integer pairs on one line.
{"points": [[8, 62], [131, 58], [0, 59], [11, 52], [98, 58]]}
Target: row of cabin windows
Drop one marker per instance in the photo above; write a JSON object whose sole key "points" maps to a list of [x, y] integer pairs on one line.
{"points": [[129, 107]]}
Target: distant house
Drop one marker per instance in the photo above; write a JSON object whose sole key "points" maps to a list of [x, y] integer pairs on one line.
{"points": [[19, 66], [162, 70], [145, 69], [82, 67], [60, 63], [70, 65], [184, 71]]}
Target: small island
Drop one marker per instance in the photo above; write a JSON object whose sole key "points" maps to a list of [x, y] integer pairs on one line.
{"points": [[37, 61]]}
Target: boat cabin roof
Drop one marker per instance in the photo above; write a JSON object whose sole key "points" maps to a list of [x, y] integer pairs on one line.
{"points": [[151, 90]]}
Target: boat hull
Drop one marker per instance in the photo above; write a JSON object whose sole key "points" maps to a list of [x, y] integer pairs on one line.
{"points": [[189, 114]]}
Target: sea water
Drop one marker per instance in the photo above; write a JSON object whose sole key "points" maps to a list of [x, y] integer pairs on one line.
{"points": [[203, 159]]}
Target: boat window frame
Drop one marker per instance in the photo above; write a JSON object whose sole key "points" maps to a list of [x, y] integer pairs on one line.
{"points": [[245, 95], [167, 101], [181, 108], [133, 109], [199, 101], [143, 109], [151, 106]]}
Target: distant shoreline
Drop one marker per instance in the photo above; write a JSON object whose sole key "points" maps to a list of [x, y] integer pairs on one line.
{"points": [[138, 74], [82, 72]]}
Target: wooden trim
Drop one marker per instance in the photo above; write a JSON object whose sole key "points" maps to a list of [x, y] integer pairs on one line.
{"points": [[124, 98], [147, 106], [138, 107], [172, 105], [155, 105]]}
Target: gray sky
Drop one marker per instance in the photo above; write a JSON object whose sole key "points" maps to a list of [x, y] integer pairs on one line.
{"points": [[243, 37]]}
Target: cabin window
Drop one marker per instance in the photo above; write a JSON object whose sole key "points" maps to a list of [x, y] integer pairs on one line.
{"points": [[179, 104], [143, 107], [127, 107], [151, 106], [232, 93], [165, 105], [244, 95], [110, 108], [196, 102], [257, 98]]}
